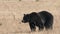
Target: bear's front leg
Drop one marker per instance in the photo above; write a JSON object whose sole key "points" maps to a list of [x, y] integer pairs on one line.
{"points": [[32, 26]]}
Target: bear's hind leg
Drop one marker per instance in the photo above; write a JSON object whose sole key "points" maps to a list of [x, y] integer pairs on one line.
{"points": [[49, 25], [41, 27]]}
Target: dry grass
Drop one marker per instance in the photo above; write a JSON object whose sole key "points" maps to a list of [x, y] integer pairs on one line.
{"points": [[11, 14]]}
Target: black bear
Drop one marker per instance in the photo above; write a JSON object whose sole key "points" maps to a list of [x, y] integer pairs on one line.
{"points": [[41, 20]]}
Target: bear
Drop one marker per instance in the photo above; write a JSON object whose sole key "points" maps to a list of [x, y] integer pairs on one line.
{"points": [[34, 20], [47, 19], [41, 19]]}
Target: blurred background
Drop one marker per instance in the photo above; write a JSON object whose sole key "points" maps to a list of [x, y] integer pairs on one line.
{"points": [[11, 14]]}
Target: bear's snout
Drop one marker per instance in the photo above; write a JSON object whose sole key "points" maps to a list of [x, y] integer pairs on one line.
{"points": [[22, 21]]}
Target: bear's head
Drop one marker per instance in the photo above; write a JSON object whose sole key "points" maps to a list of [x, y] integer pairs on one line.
{"points": [[25, 18]]}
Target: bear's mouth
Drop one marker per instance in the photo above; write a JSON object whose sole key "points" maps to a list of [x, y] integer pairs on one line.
{"points": [[23, 21]]}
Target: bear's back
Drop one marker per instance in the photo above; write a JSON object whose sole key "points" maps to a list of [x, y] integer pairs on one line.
{"points": [[45, 13], [34, 16]]}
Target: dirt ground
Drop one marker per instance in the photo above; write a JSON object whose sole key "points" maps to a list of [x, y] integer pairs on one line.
{"points": [[11, 14]]}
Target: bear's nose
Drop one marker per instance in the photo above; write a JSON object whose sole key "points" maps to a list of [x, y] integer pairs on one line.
{"points": [[22, 20]]}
